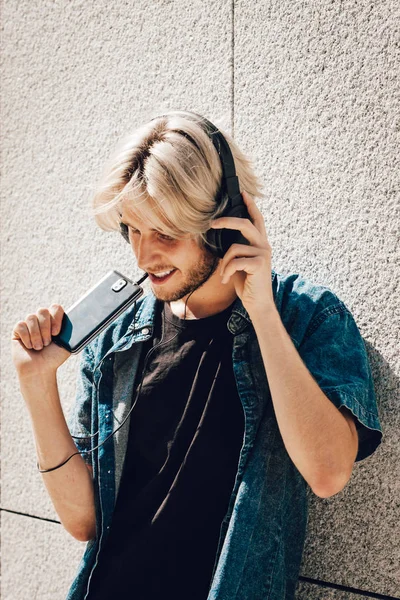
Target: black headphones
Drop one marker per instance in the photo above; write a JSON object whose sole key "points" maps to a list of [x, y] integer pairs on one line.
{"points": [[218, 240]]}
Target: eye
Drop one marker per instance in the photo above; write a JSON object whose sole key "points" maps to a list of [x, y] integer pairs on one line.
{"points": [[125, 229], [167, 238]]}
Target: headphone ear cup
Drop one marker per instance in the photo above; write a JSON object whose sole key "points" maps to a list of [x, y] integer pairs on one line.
{"points": [[222, 239], [213, 241]]}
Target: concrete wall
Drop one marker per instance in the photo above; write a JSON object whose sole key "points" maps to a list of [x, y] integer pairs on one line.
{"points": [[310, 91]]}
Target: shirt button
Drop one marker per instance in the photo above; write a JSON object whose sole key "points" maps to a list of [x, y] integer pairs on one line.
{"points": [[145, 331]]}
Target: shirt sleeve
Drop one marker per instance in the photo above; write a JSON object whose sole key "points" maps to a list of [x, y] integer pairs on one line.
{"points": [[80, 417], [335, 354]]}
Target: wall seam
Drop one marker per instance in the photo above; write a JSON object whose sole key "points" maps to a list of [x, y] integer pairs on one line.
{"points": [[16, 512], [233, 69], [344, 588]]}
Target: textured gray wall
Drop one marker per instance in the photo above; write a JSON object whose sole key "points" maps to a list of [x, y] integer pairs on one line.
{"points": [[310, 91]]}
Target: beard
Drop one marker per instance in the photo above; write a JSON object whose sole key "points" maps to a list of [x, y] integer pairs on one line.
{"points": [[194, 279]]}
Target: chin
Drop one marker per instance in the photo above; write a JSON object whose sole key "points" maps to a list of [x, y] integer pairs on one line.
{"points": [[173, 294], [187, 283], [167, 296]]}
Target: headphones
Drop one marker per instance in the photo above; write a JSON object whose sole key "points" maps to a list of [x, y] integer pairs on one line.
{"points": [[217, 240]]}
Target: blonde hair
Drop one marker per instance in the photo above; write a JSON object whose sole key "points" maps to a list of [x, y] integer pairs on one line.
{"points": [[168, 173]]}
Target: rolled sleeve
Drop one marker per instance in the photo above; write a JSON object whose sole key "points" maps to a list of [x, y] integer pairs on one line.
{"points": [[80, 417], [335, 354]]}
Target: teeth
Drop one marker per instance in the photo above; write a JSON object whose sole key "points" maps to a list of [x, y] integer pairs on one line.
{"points": [[163, 274]]}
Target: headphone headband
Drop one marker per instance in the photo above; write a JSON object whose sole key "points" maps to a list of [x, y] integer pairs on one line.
{"points": [[229, 178]]}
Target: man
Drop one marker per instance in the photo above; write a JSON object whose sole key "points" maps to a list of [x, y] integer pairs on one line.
{"points": [[205, 411]]}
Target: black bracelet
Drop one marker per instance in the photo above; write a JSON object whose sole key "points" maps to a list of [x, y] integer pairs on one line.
{"points": [[57, 467]]}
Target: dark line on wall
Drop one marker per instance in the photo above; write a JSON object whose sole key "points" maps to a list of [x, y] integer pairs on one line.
{"points": [[15, 512], [233, 70], [345, 588]]}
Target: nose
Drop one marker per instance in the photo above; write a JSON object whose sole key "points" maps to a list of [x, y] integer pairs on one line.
{"points": [[145, 252]]}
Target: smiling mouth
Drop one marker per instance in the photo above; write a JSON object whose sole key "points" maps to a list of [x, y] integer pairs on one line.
{"points": [[161, 276]]}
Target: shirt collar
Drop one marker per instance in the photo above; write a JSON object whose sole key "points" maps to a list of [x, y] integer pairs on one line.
{"points": [[144, 316]]}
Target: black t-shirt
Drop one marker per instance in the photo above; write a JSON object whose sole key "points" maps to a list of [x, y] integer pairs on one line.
{"points": [[186, 432]]}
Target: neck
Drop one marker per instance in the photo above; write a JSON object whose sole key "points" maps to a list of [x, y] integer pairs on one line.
{"points": [[209, 299]]}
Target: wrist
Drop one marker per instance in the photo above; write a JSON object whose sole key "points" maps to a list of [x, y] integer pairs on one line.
{"points": [[261, 314], [40, 392], [38, 378]]}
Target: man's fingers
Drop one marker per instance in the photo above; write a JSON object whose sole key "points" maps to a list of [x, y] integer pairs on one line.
{"points": [[253, 229], [21, 333], [57, 313], [237, 251], [246, 227], [44, 320], [32, 324], [250, 264], [37, 329]]}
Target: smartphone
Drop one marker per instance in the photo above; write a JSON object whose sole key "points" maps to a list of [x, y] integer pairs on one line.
{"points": [[96, 309]]}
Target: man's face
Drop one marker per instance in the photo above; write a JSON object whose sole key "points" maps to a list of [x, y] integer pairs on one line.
{"points": [[175, 267]]}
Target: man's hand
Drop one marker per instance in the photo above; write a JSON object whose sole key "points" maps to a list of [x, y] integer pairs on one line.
{"points": [[34, 354], [249, 266]]}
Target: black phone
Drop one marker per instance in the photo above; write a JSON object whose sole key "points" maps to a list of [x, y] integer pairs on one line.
{"points": [[96, 309]]}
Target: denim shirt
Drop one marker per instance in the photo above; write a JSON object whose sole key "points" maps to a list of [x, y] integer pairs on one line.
{"points": [[262, 534]]}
